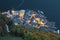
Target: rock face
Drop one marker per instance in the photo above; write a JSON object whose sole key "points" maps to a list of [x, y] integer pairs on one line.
{"points": [[30, 18]]}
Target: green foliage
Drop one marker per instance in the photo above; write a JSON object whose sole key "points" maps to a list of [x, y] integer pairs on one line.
{"points": [[18, 30], [34, 34], [58, 37], [3, 21]]}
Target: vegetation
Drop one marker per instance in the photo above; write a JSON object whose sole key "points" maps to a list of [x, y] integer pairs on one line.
{"points": [[34, 34], [3, 21]]}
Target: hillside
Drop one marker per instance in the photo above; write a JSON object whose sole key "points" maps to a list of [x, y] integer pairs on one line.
{"points": [[10, 30]]}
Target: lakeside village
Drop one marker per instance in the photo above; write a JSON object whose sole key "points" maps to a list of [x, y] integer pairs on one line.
{"points": [[30, 18]]}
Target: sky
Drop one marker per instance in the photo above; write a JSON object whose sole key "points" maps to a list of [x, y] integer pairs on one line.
{"points": [[51, 8]]}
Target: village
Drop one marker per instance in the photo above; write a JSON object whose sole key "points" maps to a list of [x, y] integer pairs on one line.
{"points": [[30, 18], [27, 24]]}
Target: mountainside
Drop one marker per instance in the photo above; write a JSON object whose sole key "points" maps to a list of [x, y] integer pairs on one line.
{"points": [[28, 25]]}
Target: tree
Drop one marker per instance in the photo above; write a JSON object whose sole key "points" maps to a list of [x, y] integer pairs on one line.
{"points": [[3, 21]]}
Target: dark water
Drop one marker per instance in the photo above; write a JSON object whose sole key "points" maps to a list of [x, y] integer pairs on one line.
{"points": [[51, 8]]}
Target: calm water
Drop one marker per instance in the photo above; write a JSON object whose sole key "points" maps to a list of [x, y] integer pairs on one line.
{"points": [[50, 7]]}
